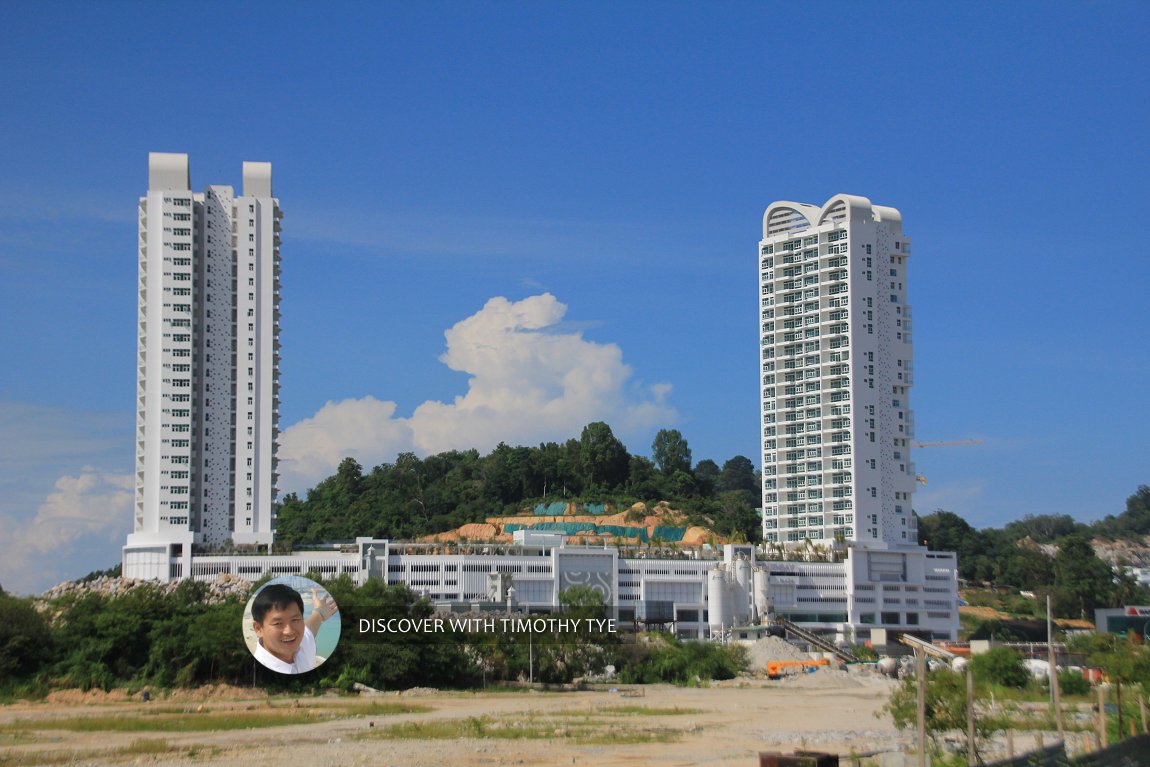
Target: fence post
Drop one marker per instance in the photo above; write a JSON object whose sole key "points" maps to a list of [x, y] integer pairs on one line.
{"points": [[971, 753], [920, 673], [1103, 737]]}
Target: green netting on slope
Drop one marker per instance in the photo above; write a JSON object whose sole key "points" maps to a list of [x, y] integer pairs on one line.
{"points": [[624, 531], [669, 534], [567, 528], [663, 532], [559, 508], [575, 528]]}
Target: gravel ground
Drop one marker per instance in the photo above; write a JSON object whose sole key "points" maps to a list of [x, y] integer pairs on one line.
{"points": [[726, 724]]}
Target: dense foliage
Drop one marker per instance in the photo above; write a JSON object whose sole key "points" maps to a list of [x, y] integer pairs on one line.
{"points": [[150, 636], [666, 659], [417, 496], [1048, 555]]}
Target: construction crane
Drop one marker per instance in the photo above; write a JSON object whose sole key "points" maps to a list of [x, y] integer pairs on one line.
{"points": [[921, 479]]}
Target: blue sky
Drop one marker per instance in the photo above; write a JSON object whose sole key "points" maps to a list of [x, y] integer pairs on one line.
{"points": [[576, 190]]}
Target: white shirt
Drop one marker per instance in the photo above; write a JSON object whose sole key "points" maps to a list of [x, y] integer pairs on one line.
{"points": [[304, 659]]}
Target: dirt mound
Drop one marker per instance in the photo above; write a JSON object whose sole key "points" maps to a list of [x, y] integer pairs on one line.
{"points": [[822, 678], [768, 649]]}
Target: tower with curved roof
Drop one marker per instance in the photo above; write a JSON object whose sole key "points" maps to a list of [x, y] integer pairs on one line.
{"points": [[836, 358]]}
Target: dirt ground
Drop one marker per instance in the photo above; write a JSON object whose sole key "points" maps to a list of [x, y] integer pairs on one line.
{"points": [[725, 724]]}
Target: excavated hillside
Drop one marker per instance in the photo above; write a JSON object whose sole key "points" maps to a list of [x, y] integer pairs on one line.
{"points": [[590, 523]]}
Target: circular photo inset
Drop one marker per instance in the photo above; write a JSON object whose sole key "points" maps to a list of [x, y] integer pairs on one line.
{"points": [[291, 624]]}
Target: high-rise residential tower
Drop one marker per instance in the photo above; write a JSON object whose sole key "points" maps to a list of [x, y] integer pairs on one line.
{"points": [[207, 367], [836, 361]]}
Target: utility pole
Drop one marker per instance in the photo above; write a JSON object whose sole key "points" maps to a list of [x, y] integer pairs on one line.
{"points": [[920, 673], [1055, 692]]}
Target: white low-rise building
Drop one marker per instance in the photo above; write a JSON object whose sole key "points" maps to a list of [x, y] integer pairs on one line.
{"points": [[697, 593]]}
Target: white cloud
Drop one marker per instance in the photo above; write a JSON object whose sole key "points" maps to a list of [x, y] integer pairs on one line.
{"points": [[363, 429], [531, 380], [83, 516]]}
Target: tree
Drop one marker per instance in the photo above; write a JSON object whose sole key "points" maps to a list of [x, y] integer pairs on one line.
{"points": [[1080, 574], [707, 476], [642, 480], [945, 707], [1132, 523], [25, 642], [739, 474], [670, 452], [1044, 528], [1028, 568], [604, 458]]}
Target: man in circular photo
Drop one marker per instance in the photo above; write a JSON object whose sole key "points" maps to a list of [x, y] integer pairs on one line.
{"points": [[285, 628]]}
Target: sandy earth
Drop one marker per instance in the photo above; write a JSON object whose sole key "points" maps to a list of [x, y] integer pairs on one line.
{"points": [[727, 724]]}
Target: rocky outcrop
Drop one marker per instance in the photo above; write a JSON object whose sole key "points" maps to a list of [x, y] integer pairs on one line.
{"points": [[221, 589]]}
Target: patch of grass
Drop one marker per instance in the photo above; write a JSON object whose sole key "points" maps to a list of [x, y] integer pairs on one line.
{"points": [[16, 738], [626, 737], [143, 746], [578, 726], [139, 747], [184, 720], [384, 709], [624, 710]]}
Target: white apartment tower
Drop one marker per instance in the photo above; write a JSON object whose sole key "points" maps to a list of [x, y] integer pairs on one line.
{"points": [[836, 371], [207, 366]]}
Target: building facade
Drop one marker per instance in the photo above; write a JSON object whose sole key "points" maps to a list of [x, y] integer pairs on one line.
{"points": [[702, 593], [208, 360], [836, 359], [207, 366]]}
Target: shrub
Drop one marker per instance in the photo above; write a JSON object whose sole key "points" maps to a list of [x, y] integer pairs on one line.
{"points": [[1001, 665], [1072, 683]]}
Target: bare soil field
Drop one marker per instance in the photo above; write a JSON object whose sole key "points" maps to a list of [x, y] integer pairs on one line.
{"points": [[724, 724]]}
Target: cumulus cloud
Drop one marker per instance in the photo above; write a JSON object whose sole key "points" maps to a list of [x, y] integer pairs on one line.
{"points": [[83, 515], [530, 380], [363, 429]]}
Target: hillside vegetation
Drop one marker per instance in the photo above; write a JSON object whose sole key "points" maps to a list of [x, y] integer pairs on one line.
{"points": [[416, 497], [1079, 565]]}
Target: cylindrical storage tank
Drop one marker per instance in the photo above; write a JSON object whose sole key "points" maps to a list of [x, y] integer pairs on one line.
{"points": [[759, 595], [741, 601], [716, 599]]}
